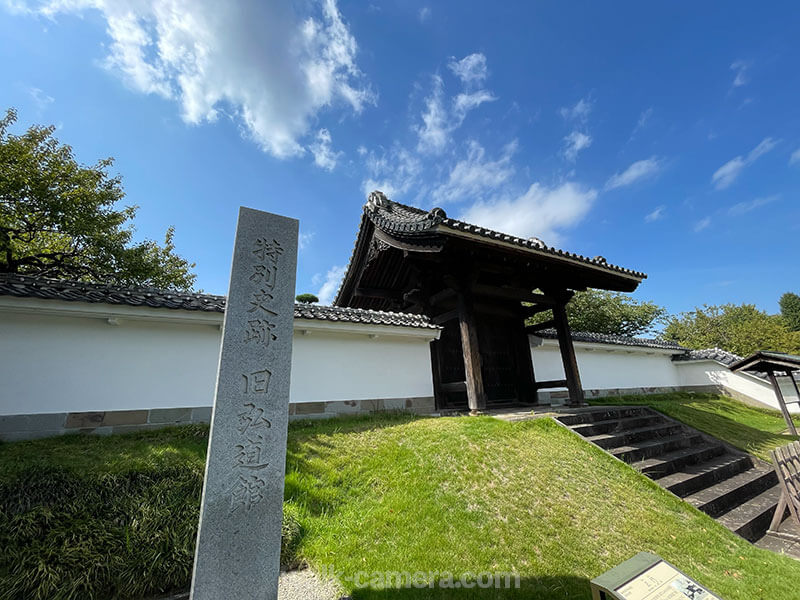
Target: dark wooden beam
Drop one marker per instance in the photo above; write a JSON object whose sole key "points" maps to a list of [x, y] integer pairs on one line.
{"points": [[510, 293], [441, 295], [445, 317], [476, 394], [539, 326], [551, 383], [568, 354], [454, 386], [367, 292], [529, 311], [526, 377]]}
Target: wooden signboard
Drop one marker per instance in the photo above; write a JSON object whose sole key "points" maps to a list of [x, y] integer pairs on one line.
{"points": [[647, 577]]}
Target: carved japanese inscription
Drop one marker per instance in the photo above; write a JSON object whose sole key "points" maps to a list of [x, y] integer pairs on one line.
{"points": [[238, 544]]}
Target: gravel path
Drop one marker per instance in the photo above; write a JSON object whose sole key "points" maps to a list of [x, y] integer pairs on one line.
{"points": [[296, 585], [305, 585]]}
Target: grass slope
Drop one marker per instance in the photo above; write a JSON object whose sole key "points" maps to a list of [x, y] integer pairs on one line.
{"points": [[116, 517], [755, 430]]}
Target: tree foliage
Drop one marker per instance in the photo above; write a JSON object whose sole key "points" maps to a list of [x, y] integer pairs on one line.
{"points": [[741, 329], [599, 311], [307, 298], [59, 219], [790, 310]]}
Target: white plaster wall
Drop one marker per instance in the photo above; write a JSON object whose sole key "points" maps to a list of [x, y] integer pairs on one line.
{"points": [[345, 366], [52, 363], [607, 367], [62, 364], [709, 371]]}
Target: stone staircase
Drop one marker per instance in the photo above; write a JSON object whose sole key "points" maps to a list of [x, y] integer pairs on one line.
{"points": [[738, 490]]}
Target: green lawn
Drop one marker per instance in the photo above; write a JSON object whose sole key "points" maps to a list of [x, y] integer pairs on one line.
{"points": [[755, 430], [376, 494]]}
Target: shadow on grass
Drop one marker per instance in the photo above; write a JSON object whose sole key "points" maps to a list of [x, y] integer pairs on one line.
{"points": [[545, 587]]}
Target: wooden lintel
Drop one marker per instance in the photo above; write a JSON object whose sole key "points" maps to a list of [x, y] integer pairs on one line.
{"points": [[552, 383], [454, 386], [529, 311], [510, 293], [539, 326], [441, 295], [445, 317], [367, 292]]}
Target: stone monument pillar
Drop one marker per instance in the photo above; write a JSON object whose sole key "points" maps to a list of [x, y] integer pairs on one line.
{"points": [[239, 540]]}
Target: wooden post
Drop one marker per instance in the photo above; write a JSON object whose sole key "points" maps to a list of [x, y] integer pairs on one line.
{"points": [[476, 395], [782, 403], [526, 381], [568, 354]]}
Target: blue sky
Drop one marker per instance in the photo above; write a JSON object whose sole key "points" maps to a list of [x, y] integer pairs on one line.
{"points": [[663, 137]]}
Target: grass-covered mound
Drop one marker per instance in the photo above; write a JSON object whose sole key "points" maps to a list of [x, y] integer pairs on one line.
{"points": [[116, 517], [754, 430]]}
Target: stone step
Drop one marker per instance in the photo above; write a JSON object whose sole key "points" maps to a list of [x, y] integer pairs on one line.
{"points": [[693, 478], [725, 495], [614, 440], [637, 451], [659, 466], [613, 425], [603, 413], [751, 519]]}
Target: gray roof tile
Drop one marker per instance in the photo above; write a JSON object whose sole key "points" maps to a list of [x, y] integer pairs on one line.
{"points": [[74, 291]]}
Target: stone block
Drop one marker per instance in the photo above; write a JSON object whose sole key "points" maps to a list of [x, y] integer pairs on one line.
{"points": [[421, 406], [21, 436], [343, 407], [82, 420], [371, 406], [45, 421], [201, 414], [309, 408], [171, 415], [394, 404], [125, 417]]}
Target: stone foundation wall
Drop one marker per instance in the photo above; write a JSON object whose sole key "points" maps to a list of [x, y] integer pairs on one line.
{"points": [[561, 396], [26, 427]]}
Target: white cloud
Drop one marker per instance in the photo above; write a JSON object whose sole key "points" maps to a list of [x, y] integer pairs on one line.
{"points": [[702, 224], [741, 74], [330, 284], [424, 14], [579, 112], [657, 214], [471, 70], [638, 171], [794, 159], [393, 172], [324, 156], [574, 143], [304, 240], [273, 67], [641, 123], [539, 212], [745, 207], [40, 99], [475, 176], [441, 116], [727, 173]]}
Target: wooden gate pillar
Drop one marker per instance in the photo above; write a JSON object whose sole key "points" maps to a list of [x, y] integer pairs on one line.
{"points": [[476, 395], [567, 349]]}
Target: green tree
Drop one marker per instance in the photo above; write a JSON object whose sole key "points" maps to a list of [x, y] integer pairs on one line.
{"points": [[790, 310], [306, 298], [59, 219], [741, 329], [599, 311]]}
